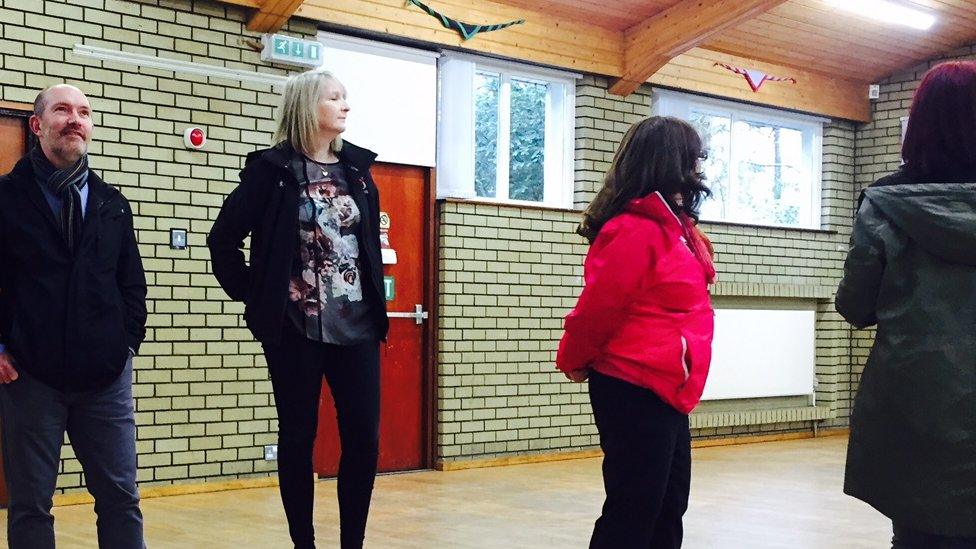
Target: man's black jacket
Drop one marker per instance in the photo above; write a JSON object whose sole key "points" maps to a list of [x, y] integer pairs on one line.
{"points": [[265, 206], [69, 320]]}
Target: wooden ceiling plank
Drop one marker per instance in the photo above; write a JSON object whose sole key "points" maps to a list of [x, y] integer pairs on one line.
{"points": [[838, 30], [381, 18], [542, 25], [823, 30], [244, 3], [818, 54], [618, 15], [676, 30], [822, 15], [808, 61], [815, 93], [272, 15], [825, 43], [534, 34], [945, 11]]}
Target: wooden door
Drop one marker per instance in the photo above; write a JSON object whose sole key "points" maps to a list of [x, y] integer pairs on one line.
{"points": [[13, 136], [404, 391]]}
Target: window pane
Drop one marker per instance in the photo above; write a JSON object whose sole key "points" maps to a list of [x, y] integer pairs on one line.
{"points": [[486, 87], [771, 184], [716, 132], [528, 141]]}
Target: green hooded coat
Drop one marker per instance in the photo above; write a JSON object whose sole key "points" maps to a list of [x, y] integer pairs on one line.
{"points": [[911, 271]]}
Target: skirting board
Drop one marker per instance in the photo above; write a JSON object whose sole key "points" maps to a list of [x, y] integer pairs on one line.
{"points": [[460, 465], [82, 498]]}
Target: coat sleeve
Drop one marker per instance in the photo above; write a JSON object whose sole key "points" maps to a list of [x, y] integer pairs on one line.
{"points": [[617, 262], [131, 279], [857, 295], [236, 220], [4, 274]]}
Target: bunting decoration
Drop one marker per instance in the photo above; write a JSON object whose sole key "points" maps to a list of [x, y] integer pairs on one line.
{"points": [[755, 78], [466, 30]]}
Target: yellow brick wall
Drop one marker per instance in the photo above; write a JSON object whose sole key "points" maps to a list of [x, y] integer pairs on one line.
{"points": [[203, 402]]}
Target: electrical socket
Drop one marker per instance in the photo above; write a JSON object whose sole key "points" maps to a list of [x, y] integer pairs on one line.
{"points": [[271, 452]]}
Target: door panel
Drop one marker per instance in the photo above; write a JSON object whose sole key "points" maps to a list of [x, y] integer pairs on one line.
{"points": [[13, 135], [403, 433]]}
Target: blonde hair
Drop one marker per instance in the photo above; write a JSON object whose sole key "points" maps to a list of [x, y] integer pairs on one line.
{"points": [[298, 119]]}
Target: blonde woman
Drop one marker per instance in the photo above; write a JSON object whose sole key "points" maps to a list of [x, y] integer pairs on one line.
{"points": [[312, 291]]}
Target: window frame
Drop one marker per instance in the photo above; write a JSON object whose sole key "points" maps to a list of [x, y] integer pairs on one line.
{"points": [[680, 105], [560, 134]]}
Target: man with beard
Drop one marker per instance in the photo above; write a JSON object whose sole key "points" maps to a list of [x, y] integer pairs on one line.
{"points": [[72, 316]]}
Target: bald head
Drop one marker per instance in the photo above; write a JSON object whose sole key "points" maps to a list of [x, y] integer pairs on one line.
{"points": [[40, 102], [62, 122]]}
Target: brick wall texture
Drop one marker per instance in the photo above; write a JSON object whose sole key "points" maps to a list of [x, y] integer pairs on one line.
{"points": [[203, 403], [507, 274]]}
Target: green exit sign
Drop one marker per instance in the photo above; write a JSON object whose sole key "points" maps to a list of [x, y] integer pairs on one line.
{"points": [[286, 49]]}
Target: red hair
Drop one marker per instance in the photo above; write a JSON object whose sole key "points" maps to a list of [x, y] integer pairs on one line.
{"points": [[941, 137]]}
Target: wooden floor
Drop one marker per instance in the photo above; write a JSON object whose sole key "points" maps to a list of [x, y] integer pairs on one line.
{"points": [[768, 495]]}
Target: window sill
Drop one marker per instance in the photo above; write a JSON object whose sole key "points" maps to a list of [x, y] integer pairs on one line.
{"points": [[510, 204], [706, 223]]}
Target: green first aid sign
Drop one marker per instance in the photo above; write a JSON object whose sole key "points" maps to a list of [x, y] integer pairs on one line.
{"points": [[389, 288], [287, 49]]}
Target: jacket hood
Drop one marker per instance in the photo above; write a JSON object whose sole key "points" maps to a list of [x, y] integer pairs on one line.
{"points": [[939, 217]]}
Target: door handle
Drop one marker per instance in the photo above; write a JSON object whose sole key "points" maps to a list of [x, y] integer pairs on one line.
{"points": [[419, 315]]}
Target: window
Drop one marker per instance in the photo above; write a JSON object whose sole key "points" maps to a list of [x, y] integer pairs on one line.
{"points": [[763, 166], [505, 132]]}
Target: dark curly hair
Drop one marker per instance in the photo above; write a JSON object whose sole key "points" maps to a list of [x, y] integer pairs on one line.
{"points": [[656, 154]]}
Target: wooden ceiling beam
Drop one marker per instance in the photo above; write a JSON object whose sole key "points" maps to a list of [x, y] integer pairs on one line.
{"points": [[272, 15], [652, 43]]}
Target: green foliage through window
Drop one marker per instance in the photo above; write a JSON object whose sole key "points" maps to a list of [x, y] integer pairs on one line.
{"points": [[528, 141], [486, 97]]}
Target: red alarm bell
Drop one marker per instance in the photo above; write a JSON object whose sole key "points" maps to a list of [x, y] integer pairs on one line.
{"points": [[194, 138]]}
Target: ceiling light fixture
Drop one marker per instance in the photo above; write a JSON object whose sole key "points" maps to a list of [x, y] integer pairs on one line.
{"points": [[888, 12]]}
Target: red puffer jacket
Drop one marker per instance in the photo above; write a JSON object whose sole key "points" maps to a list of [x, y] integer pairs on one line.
{"points": [[644, 315]]}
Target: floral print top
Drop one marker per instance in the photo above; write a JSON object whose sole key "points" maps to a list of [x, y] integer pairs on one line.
{"points": [[326, 291]]}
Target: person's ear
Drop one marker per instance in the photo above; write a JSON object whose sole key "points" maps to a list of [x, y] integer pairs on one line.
{"points": [[34, 122]]}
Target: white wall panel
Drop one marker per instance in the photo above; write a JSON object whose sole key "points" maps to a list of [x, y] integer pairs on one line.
{"points": [[392, 94], [761, 353]]}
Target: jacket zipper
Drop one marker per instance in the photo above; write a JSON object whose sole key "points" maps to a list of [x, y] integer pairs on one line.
{"points": [[688, 241], [684, 358]]}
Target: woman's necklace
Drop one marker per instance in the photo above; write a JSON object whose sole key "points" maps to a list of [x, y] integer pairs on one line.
{"points": [[323, 166]]}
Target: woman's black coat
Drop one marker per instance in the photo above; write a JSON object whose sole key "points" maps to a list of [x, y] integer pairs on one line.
{"points": [[265, 206], [912, 271]]}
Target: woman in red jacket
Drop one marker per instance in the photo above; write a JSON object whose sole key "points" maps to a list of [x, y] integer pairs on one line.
{"points": [[641, 331]]}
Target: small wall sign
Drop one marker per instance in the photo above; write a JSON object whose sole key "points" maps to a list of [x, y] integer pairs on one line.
{"points": [[387, 253], [294, 51], [177, 239]]}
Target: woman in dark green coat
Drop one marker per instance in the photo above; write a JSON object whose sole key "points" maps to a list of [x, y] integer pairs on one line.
{"points": [[911, 271]]}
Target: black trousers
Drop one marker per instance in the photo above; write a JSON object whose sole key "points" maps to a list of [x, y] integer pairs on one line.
{"points": [[908, 538], [297, 366], [646, 466]]}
